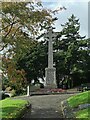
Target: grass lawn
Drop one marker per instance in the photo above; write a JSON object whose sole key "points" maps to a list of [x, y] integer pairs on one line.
{"points": [[11, 108], [81, 98], [85, 113]]}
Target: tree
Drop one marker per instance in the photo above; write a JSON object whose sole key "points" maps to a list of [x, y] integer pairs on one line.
{"points": [[67, 48], [20, 20], [34, 62], [21, 24]]}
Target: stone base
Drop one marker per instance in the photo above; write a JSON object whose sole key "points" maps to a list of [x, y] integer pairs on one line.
{"points": [[50, 74]]}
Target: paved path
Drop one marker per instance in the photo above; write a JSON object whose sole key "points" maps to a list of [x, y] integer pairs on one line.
{"points": [[45, 106]]}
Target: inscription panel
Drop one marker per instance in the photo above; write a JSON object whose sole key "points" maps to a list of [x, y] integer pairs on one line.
{"points": [[50, 77]]}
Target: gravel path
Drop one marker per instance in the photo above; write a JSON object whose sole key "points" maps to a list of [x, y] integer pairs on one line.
{"points": [[45, 106]]}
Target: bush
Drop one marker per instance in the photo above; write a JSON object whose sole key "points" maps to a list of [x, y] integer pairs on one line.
{"points": [[41, 85]]}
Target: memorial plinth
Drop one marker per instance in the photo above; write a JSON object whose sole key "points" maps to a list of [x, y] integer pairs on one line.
{"points": [[50, 71], [50, 74]]}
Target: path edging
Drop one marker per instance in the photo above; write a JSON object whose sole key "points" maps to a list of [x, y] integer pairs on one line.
{"points": [[67, 110], [27, 106]]}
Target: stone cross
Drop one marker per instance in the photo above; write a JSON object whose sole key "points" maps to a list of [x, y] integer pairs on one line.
{"points": [[50, 72]]}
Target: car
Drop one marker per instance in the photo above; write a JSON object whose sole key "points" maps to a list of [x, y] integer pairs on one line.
{"points": [[4, 94], [84, 87]]}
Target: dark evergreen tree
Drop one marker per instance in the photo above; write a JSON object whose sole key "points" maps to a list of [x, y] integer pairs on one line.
{"points": [[67, 52], [34, 61]]}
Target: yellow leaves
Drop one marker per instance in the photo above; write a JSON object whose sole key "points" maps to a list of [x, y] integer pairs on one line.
{"points": [[13, 74], [10, 69], [24, 17], [5, 4]]}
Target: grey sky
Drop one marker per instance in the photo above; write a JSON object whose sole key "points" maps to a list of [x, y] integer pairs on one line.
{"points": [[79, 9]]}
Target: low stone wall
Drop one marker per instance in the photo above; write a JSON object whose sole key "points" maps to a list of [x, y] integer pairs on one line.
{"points": [[34, 88]]}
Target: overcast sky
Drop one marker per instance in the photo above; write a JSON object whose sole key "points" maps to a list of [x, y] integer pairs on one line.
{"points": [[77, 7]]}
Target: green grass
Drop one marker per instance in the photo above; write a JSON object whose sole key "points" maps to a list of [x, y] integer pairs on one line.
{"points": [[78, 99], [85, 113], [11, 108], [81, 98]]}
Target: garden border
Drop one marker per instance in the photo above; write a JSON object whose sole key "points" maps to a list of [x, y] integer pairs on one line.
{"points": [[67, 110]]}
